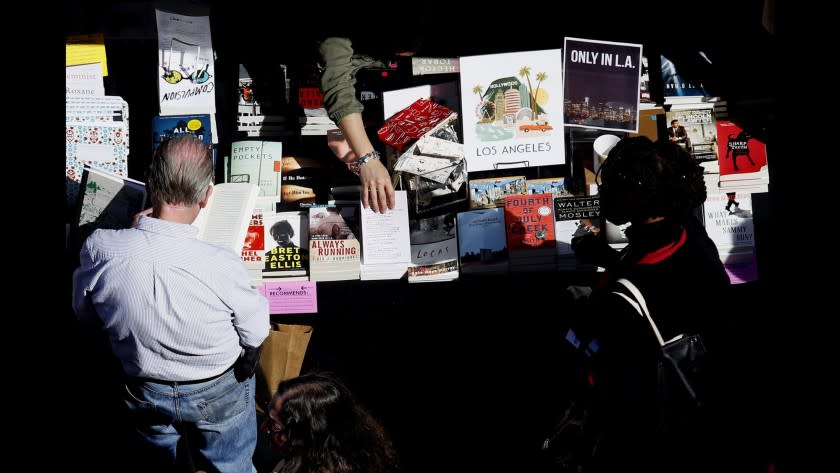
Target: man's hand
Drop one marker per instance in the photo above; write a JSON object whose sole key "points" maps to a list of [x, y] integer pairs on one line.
{"points": [[377, 190], [137, 216]]}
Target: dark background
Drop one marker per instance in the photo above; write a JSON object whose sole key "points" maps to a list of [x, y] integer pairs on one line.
{"points": [[468, 375]]}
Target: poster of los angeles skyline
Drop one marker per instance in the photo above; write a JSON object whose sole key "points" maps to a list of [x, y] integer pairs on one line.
{"points": [[601, 86]]}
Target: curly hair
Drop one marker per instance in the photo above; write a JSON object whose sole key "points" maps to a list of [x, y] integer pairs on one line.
{"points": [[642, 179], [328, 431]]}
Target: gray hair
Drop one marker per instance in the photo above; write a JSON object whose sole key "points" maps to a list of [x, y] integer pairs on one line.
{"points": [[181, 170]]}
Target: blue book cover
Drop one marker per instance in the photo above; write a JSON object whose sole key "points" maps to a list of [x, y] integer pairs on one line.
{"points": [[167, 127]]}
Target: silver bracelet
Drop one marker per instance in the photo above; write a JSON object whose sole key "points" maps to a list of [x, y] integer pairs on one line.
{"points": [[356, 166]]}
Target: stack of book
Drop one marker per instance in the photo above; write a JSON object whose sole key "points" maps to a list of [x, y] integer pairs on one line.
{"points": [[334, 250], [96, 134]]}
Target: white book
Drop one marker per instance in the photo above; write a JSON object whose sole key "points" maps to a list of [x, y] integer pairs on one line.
{"points": [[224, 220], [385, 239]]}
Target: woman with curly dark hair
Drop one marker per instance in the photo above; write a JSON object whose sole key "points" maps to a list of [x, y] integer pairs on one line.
{"points": [[317, 426], [656, 187]]}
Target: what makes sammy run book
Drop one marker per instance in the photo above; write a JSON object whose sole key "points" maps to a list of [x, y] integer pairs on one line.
{"points": [[512, 109]]}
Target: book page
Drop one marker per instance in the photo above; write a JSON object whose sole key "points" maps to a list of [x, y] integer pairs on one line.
{"points": [[385, 236], [224, 221]]}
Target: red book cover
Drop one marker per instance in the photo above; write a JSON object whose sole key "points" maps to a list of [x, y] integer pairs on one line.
{"points": [[738, 152], [529, 222]]}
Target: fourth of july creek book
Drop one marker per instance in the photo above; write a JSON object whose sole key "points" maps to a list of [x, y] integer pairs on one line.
{"points": [[512, 107]]}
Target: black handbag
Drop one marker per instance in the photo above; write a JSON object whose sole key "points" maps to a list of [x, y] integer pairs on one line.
{"points": [[680, 369]]}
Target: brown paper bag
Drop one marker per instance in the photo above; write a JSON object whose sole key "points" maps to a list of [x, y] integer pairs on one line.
{"points": [[281, 358]]}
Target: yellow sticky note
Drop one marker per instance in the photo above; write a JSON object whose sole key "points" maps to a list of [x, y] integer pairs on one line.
{"points": [[86, 49]]}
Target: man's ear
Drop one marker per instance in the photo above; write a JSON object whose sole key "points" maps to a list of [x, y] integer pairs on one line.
{"points": [[207, 194]]}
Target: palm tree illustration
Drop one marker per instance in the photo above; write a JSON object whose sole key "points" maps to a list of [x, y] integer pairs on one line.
{"points": [[482, 106], [477, 90], [525, 72], [541, 76]]}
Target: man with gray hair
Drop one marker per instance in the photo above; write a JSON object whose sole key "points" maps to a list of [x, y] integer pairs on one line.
{"points": [[179, 314]]}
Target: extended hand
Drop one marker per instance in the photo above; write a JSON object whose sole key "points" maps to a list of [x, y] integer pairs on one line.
{"points": [[377, 190]]}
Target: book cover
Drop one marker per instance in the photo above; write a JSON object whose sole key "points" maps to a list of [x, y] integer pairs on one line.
{"points": [[512, 106], [700, 126], [482, 244], [740, 155], [253, 251], [287, 245], [186, 79], [107, 200], [434, 248], [602, 84], [529, 224], [728, 219], [385, 236], [334, 250], [302, 181], [84, 79], [167, 127], [101, 144], [574, 217], [258, 162], [679, 84], [556, 186], [491, 192]]}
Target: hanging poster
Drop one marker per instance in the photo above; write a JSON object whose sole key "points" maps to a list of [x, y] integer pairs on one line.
{"points": [[602, 84], [511, 107]]}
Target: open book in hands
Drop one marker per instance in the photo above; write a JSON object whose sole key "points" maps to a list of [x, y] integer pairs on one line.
{"points": [[224, 220]]}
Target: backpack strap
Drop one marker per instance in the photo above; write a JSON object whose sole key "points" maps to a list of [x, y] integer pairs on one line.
{"points": [[638, 303]]}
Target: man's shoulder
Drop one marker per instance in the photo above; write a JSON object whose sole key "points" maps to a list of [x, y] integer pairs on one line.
{"points": [[104, 237]]}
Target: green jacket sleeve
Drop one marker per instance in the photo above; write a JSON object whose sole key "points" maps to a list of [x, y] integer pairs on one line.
{"points": [[338, 81]]}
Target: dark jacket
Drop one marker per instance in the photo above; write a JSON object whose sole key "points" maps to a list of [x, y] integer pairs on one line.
{"points": [[683, 288]]}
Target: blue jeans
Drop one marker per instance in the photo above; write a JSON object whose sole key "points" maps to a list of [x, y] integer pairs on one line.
{"points": [[219, 415]]}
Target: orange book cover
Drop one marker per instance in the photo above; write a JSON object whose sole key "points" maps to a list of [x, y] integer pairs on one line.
{"points": [[529, 222]]}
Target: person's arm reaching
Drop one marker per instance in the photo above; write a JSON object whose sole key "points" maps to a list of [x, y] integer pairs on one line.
{"points": [[377, 190], [338, 84]]}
